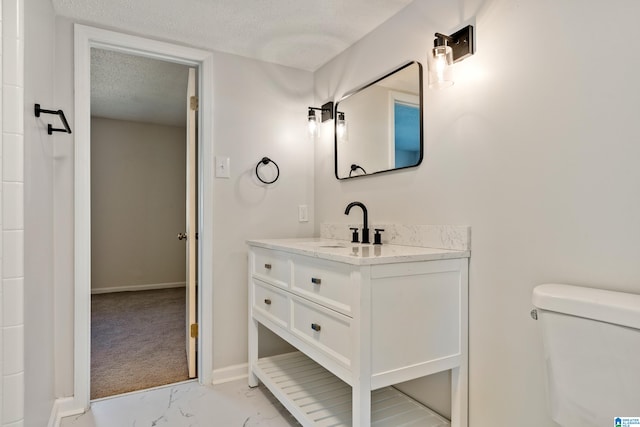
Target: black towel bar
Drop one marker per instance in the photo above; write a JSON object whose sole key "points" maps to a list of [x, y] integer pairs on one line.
{"points": [[60, 113]]}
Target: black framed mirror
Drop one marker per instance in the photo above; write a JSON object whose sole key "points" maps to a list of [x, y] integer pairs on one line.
{"points": [[379, 127]]}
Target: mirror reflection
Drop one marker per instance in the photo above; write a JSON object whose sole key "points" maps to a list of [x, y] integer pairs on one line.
{"points": [[378, 127]]}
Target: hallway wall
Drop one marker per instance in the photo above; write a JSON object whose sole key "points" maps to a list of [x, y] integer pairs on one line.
{"points": [[138, 181]]}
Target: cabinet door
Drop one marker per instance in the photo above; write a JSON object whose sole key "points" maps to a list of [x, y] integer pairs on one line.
{"points": [[416, 307]]}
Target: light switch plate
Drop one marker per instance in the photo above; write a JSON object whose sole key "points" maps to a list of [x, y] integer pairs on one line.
{"points": [[223, 167]]}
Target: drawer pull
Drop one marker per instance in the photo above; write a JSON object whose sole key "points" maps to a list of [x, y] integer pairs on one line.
{"points": [[316, 281], [267, 266], [315, 327], [267, 301]]}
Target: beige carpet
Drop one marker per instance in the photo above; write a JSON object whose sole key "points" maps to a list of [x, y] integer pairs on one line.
{"points": [[137, 341]]}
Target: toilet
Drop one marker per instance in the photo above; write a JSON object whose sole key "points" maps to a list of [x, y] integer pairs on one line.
{"points": [[591, 341]]}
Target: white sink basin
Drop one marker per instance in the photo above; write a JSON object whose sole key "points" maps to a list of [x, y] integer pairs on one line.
{"points": [[324, 244]]}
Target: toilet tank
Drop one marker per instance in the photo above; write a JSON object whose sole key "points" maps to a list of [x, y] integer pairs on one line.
{"points": [[591, 343]]}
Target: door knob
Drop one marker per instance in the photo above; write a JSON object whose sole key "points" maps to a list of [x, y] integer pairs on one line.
{"points": [[182, 236]]}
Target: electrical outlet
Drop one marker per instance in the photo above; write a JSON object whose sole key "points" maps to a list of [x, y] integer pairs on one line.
{"points": [[303, 213]]}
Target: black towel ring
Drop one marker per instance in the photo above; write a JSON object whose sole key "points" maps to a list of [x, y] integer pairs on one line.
{"points": [[354, 168], [266, 161]]}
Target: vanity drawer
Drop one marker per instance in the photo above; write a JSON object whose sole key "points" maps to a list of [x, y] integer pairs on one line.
{"points": [[323, 329], [271, 302], [271, 266], [326, 282]]}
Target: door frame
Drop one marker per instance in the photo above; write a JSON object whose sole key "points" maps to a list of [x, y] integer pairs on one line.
{"points": [[85, 38]]}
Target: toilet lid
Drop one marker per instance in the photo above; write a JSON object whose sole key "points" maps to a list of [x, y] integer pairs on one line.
{"points": [[619, 308]]}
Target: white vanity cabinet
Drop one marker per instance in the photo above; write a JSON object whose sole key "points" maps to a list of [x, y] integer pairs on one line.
{"points": [[362, 319]]}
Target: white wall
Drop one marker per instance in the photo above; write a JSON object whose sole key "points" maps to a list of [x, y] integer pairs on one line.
{"points": [[38, 213], [535, 146], [138, 193], [259, 110], [63, 215]]}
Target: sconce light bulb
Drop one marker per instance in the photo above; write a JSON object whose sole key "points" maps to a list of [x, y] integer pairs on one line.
{"points": [[312, 124], [341, 127], [441, 64], [439, 67]]}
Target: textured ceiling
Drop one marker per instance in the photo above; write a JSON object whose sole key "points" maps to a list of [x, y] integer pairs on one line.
{"points": [[304, 34], [135, 88]]}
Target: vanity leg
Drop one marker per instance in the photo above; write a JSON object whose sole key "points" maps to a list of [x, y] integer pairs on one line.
{"points": [[459, 416], [361, 337], [361, 406], [460, 375], [252, 332], [253, 351]]}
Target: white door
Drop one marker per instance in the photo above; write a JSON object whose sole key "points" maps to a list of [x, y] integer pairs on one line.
{"points": [[191, 234]]}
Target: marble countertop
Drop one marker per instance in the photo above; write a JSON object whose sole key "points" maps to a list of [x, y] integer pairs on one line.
{"points": [[357, 253]]}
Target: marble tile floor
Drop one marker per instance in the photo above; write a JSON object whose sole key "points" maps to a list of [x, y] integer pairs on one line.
{"points": [[188, 404]]}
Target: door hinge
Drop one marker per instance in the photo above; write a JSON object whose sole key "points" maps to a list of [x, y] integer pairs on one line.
{"points": [[194, 103], [194, 330]]}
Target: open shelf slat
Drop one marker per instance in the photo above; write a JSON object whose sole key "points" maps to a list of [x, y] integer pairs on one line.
{"points": [[313, 395]]}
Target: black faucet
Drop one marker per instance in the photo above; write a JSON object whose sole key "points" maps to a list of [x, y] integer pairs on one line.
{"points": [[365, 222]]}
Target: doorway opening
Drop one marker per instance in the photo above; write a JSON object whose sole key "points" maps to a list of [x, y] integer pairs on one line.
{"points": [[89, 254], [141, 162]]}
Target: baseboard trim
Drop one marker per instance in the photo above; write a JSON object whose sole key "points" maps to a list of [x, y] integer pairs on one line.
{"points": [[230, 373], [63, 407], [148, 287]]}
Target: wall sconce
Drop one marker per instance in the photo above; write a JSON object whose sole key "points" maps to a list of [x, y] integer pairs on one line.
{"points": [[446, 51], [312, 120]]}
